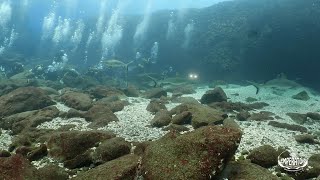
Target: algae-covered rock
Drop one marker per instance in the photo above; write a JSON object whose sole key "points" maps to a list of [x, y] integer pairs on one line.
{"points": [[215, 95], [17, 167], [100, 116], [77, 100], [124, 167], [200, 154], [24, 99], [110, 149], [246, 170], [67, 145], [162, 118], [201, 115], [265, 156]]}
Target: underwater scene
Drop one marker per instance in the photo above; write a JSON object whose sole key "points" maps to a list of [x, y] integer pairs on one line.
{"points": [[159, 89]]}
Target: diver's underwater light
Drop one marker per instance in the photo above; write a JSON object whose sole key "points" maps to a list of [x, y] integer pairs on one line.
{"points": [[193, 76]]}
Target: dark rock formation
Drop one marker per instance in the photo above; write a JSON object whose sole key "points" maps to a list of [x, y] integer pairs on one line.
{"points": [[200, 154], [265, 156], [17, 167], [162, 118], [68, 145], [23, 99], [292, 127], [100, 116], [125, 167], [215, 95], [201, 115], [77, 100]]}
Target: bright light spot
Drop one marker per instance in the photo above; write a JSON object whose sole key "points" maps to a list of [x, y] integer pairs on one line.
{"points": [[193, 76]]}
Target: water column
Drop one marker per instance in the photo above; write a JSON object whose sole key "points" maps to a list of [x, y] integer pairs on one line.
{"points": [[142, 27]]}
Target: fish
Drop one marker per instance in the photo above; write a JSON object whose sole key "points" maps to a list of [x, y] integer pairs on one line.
{"points": [[113, 63]]}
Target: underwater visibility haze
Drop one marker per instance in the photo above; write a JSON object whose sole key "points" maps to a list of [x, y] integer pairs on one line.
{"points": [[159, 89]]}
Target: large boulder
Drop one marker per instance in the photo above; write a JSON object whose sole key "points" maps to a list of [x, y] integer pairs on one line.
{"points": [[104, 91], [246, 170], [17, 167], [200, 154], [27, 120], [111, 149], [161, 118], [201, 115], [77, 100], [100, 116], [68, 145], [215, 95], [124, 167], [265, 156], [24, 99]]}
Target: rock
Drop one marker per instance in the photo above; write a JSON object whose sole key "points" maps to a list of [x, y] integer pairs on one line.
{"points": [[246, 170], [261, 116], [103, 91], [201, 115], [67, 145], [303, 95], [37, 153], [265, 156], [23, 150], [81, 160], [230, 123], [8, 85], [125, 167], [49, 90], [77, 100], [19, 141], [72, 113], [298, 118], [175, 127], [155, 93], [313, 170], [4, 153], [23, 99], [313, 116], [243, 115], [182, 118], [17, 167], [100, 116], [156, 105], [237, 106], [305, 138], [114, 106], [53, 172], [190, 100], [215, 95], [162, 118], [132, 91], [199, 154], [314, 162], [110, 149], [292, 127], [28, 120]]}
